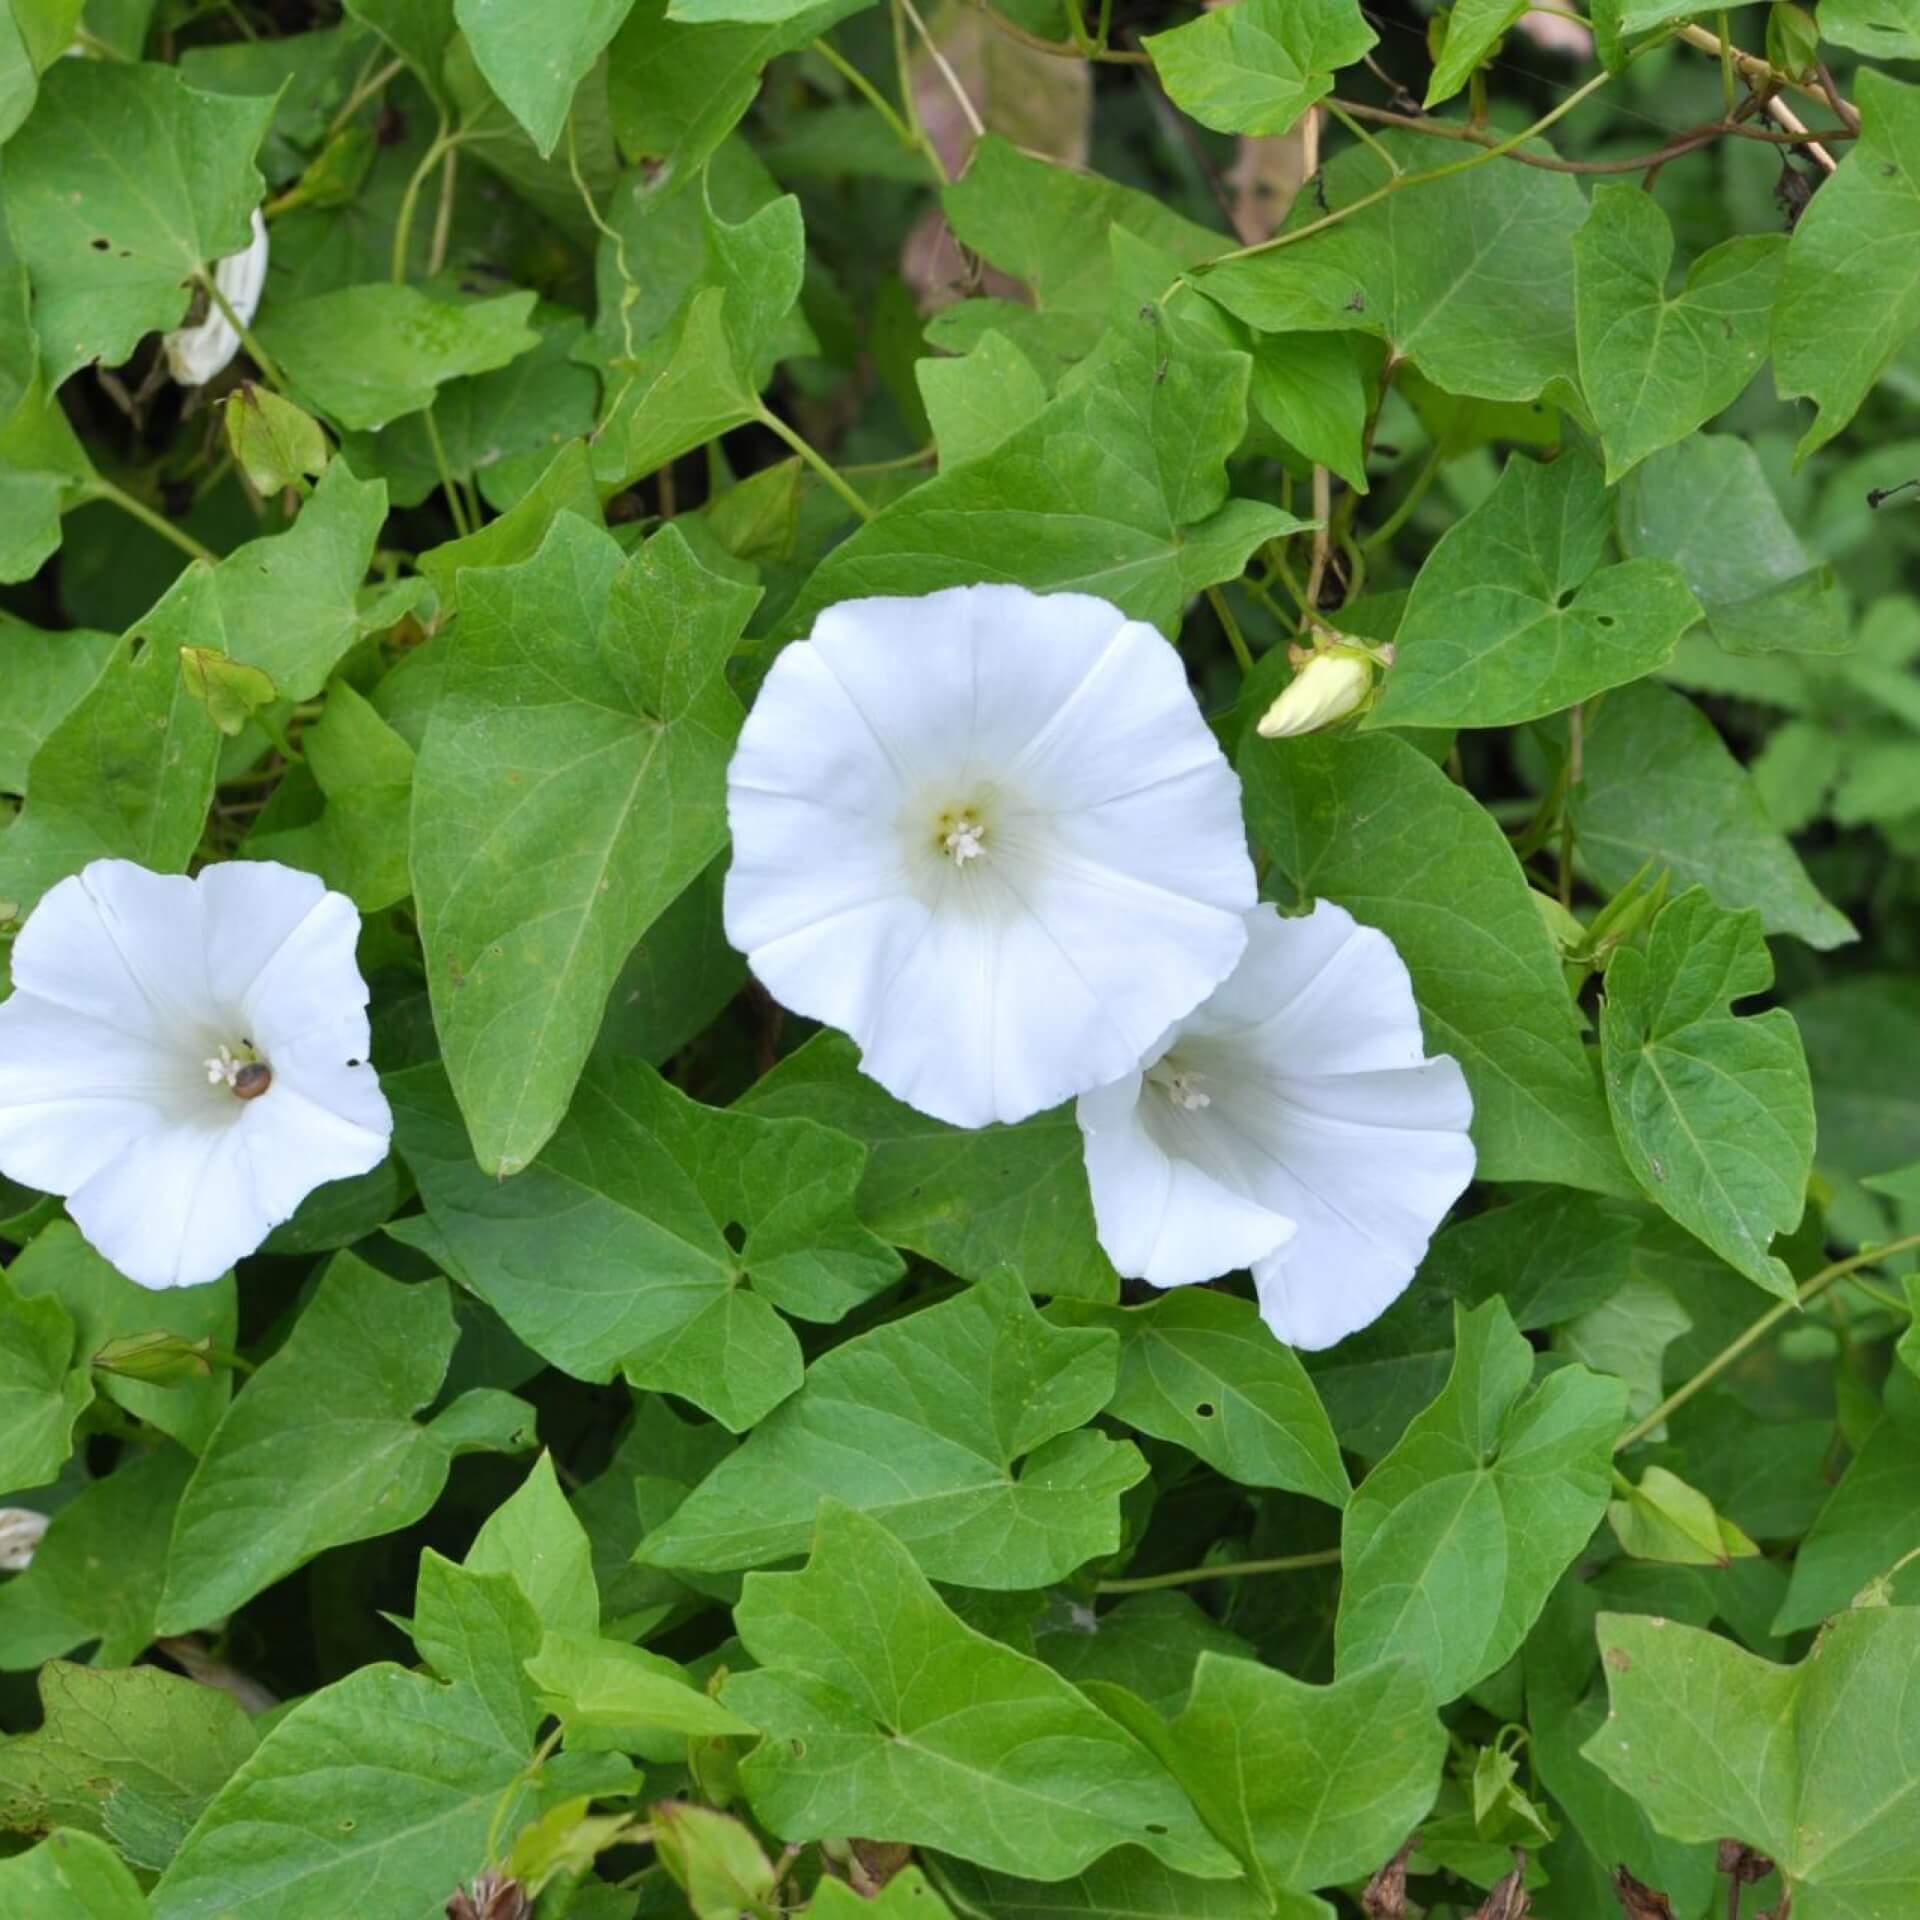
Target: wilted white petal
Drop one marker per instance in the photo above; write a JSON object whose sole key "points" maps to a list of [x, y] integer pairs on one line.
{"points": [[1298, 1092], [185, 1060], [21, 1531], [195, 354], [988, 833]]}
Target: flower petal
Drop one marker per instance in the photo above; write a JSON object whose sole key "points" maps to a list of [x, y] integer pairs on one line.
{"points": [[1159, 1214], [310, 984], [123, 946]]}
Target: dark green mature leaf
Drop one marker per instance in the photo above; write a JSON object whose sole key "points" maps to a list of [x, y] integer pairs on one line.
{"points": [[1126, 1885], [1454, 1541], [1308, 388], [1149, 1643], [1257, 66], [71, 1876], [61, 1602], [383, 1786], [1308, 1785], [701, 375], [1117, 487], [1655, 368], [885, 1714], [47, 676], [33, 35], [1706, 506], [974, 1200], [1863, 1529], [106, 1305], [417, 30], [320, 1446], [1470, 277], [612, 1697], [1473, 29], [1861, 232], [962, 1427], [1513, 616], [1376, 826], [1862, 1038], [1817, 1765], [1658, 785], [1870, 26], [44, 472], [549, 833], [125, 185], [535, 61], [42, 1391], [130, 1756], [1201, 1369], [677, 90], [367, 355], [1714, 1111], [610, 1252]]}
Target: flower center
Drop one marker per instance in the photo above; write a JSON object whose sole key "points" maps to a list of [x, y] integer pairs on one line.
{"points": [[244, 1074], [1184, 1088], [960, 834]]}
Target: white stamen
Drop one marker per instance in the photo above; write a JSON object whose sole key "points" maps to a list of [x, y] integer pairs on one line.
{"points": [[965, 842], [222, 1068], [1181, 1087]]}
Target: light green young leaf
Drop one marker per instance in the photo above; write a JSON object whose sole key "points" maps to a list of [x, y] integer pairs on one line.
{"points": [[1470, 277], [384, 1786], [1201, 1369], [977, 400], [365, 355], [536, 60], [1257, 66], [971, 1199], [96, 1574], [1117, 487], [1665, 1519], [962, 1427], [548, 836], [716, 1861], [677, 90], [883, 1713], [70, 1876], [616, 1698], [1307, 388], [1473, 27], [478, 1630], [125, 185], [1373, 824], [1817, 1765], [1513, 616], [1861, 232], [130, 1756], [535, 1537], [42, 1391], [1706, 506], [320, 1446], [1308, 1785], [609, 1253], [1658, 784], [106, 1305], [1454, 1541], [1655, 368], [1714, 1110]]}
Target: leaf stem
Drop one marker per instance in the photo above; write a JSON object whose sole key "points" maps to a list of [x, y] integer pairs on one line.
{"points": [[1225, 1570], [1734, 1349], [871, 94], [969, 112], [443, 212], [410, 200], [909, 101], [1231, 628], [364, 92], [102, 489], [461, 525], [774, 424], [255, 351], [1403, 512]]}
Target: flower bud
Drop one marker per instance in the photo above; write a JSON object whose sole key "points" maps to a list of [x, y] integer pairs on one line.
{"points": [[195, 354], [1328, 688], [165, 1359], [20, 1531]]}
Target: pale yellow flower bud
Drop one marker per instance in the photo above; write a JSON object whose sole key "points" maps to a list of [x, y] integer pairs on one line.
{"points": [[1328, 688]]}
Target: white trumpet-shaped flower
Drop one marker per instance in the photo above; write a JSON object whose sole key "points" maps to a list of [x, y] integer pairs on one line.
{"points": [[989, 835], [195, 354], [185, 1060], [1291, 1125]]}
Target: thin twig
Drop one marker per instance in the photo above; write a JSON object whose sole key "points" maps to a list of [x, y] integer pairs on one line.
{"points": [[940, 61]]}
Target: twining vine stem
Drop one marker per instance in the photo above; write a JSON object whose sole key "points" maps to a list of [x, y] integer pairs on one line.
{"points": [[1222, 1570]]}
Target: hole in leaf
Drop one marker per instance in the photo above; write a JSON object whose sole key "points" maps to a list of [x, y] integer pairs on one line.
{"points": [[102, 246], [1565, 599], [1205, 1410], [735, 1235], [1607, 620], [1154, 1826], [136, 646], [799, 1749]]}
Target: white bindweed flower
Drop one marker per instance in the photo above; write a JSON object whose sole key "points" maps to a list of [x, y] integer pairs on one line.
{"points": [[21, 1530], [186, 1060], [195, 354], [1327, 688], [988, 834], [1291, 1125]]}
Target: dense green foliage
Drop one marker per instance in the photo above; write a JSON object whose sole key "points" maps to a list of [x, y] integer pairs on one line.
{"points": [[683, 1481]]}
